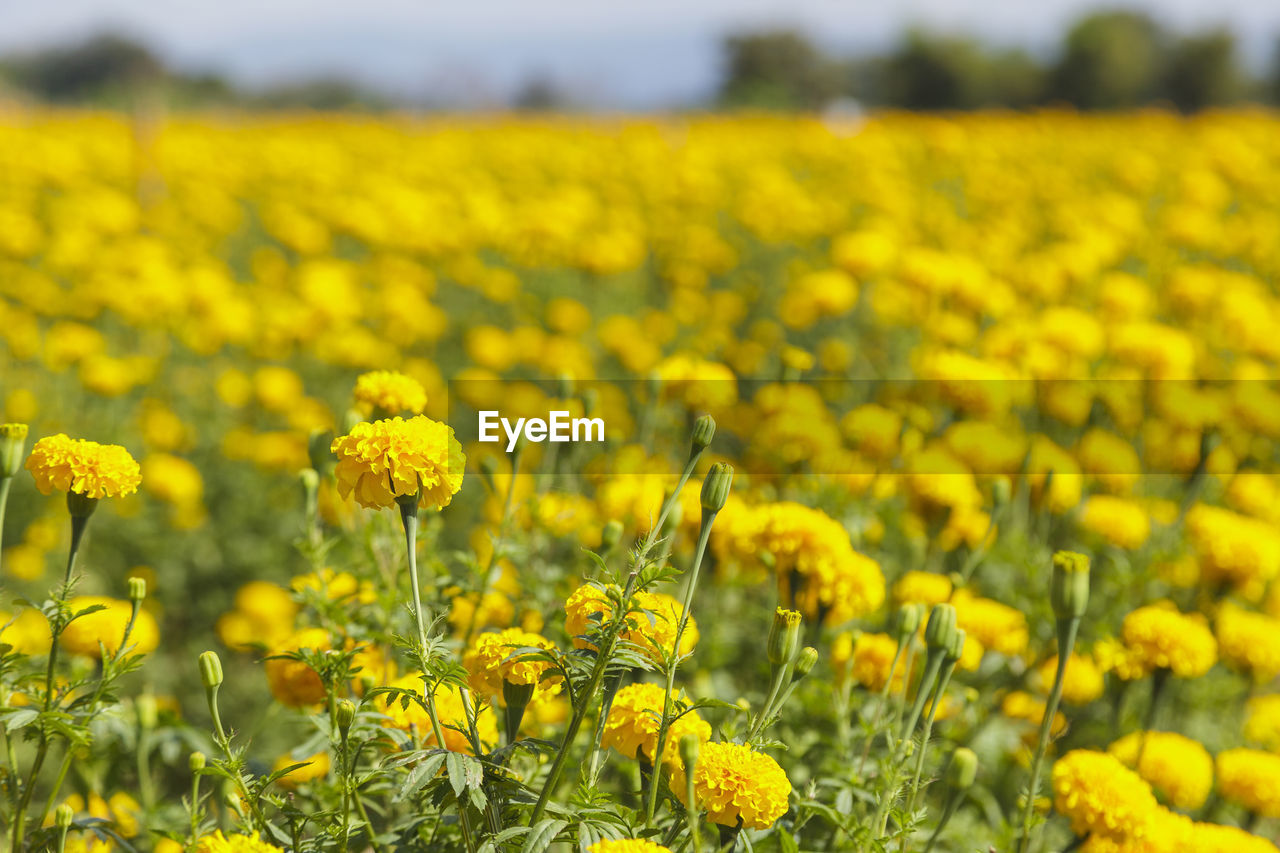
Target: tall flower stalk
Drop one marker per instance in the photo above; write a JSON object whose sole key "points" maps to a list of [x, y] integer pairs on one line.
{"points": [[1069, 594]]}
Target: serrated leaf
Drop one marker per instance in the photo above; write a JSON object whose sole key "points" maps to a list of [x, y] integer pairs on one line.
{"points": [[542, 834], [421, 775], [457, 769]]}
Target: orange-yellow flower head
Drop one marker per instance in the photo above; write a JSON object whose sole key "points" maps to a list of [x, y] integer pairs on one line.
{"points": [[383, 460], [219, 843], [1176, 766], [627, 845], [1163, 638], [496, 658], [1100, 795], [389, 393], [106, 626], [733, 782], [633, 723], [652, 628], [84, 467], [1252, 779]]}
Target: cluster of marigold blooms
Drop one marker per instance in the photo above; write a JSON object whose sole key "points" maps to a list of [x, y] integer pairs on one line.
{"points": [[1038, 304]]}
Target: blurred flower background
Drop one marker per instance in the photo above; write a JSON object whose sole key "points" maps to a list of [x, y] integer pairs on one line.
{"points": [[984, 305]]}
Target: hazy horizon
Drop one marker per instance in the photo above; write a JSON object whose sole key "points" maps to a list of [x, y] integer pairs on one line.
{"points": [[659, 54]]}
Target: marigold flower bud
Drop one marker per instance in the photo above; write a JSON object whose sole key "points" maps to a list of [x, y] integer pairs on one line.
{"points": [[611, 535], [940, 633], [715, 488], [564, 386], [344, 715], [689, 752], [956, 650], [145, 707], [805, 661], [310, 480], [137, 589], [963, 769], [907, 621], [210, 670], [784, 636], [1001, 491], [62, 816], [1069, 588], [671, 523], [196, 762], [13, 439], [704, 430]]}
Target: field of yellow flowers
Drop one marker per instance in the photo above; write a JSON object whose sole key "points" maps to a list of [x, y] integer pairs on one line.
{"points": [[933, 505]]}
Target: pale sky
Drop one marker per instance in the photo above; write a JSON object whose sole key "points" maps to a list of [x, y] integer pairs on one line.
{"points": [[632, 53]]}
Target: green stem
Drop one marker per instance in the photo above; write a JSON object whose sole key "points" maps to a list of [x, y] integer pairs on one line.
{"points": [[5, 482], [691, 810], [664, 725], [881, 706], [1159, 678], [928, 729], [1067, 629], [947, 811], [195, 811], [605, 652]]}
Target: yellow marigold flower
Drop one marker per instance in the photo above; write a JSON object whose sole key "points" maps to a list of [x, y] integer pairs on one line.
{"points": [[1178, 767], [927, 588], [449, 710], [627, 845], [293, 682], [1116, 658], [1163, 638], [1121, 522], [589, 607], [1215, 838], [1234, 547], [315, 767], [1262, 721], [335, 586], [173, 479], [25, 562], [874, 430], [494, 659], [818, 570], [936, 479], [1250, 778], [1023, 706], [389, 393], [1081, 681], [733, 783], [107, 626], [383, 460], [28, 632], [632, 726], [1110, 459], [84, 467], [1249, 641], [219, 843], [1100, 795], [867, 660], [996, 626]]}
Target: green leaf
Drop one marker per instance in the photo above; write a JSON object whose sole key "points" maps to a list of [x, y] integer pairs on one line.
{"points": [[421, 775], [457, 769], [20, 718], [541, 835]]}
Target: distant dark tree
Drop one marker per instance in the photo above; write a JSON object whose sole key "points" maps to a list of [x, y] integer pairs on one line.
{"points": [[1110, 60], [1202, 71], [778, 70], [321, 93], [100, 66], [930, 72], [1012, 78], [539, 94], [934, 73]]}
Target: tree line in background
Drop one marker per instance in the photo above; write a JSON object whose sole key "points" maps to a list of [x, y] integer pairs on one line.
{"points": [[1107, 60]]}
